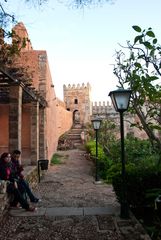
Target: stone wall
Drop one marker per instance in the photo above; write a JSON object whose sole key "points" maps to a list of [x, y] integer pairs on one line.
{"points": [[102, 108], [64, 118], [105, 110]]}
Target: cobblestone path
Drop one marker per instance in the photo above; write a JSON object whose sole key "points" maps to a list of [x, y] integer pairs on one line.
{"points": [[71, 184]]}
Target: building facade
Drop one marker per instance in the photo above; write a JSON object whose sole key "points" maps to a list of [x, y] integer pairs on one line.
{"points": [[31, 115]]}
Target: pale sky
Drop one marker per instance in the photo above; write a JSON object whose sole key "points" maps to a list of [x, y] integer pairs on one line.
{"points": [[81, 43]]}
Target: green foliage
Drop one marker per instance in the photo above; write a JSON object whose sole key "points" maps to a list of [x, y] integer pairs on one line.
{"points": [[7, 18], [138, 153], [107, 132], [103, 161], [113, 171], [151, 195], [107, 139], [139, 69], [90, 131], [140, 182], [88, 3], [143, 175], [90, 145], [56, 159], [136, 28]]}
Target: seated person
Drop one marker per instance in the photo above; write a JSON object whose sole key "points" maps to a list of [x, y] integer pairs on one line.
{"points": [[12, 183], [17, 169]]}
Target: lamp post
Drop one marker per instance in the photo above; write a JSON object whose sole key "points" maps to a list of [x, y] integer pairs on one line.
{"points": [[96, 125], [120, 99]]}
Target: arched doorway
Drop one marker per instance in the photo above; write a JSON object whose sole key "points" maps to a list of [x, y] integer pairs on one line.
{"points": [[76, 117]]}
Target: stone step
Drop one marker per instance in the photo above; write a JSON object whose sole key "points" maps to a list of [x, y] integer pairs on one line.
{"points": [[66, 211], [74, 135], [76, 140], [74, 130], [77, 126], [77, 144]]}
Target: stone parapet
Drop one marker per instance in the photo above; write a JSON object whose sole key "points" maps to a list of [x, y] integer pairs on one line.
{"points": [[102, 108], [76, 86]]}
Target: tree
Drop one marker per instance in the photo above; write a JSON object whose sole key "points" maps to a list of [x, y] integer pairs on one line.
{"points": [[138, 66], [87, 3], [6, 17], [107, 134], [8, 51]]}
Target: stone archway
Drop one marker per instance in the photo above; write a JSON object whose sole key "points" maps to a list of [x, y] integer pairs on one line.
{"points": [[76, 117]]}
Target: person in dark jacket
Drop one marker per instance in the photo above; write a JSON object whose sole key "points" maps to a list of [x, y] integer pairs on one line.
{"points": [[18, 171], [12, 182]]}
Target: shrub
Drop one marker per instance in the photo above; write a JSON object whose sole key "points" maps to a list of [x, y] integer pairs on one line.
{"points": [[89, 145], [103, 161], [137, 151], [138, 182], [56, 159]]}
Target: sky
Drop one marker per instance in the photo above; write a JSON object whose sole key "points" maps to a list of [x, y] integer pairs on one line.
{"points": [[81, 43]]}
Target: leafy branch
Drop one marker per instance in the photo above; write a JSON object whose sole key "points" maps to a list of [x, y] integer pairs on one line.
{"points": [[138, 66]]}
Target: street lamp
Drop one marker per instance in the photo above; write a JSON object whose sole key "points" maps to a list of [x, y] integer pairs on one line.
{"points": [[120, 99], [96, 125]]}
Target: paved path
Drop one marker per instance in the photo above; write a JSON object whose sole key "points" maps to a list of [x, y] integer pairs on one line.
{"points": [[71, 184], [73, 207]]}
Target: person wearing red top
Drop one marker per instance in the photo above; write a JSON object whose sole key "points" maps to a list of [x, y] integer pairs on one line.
{"points": [[17, 169], [12, 183]]}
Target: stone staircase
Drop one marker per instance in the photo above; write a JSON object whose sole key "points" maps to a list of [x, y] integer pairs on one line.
{"points": [[72, 139], [74, 135]]}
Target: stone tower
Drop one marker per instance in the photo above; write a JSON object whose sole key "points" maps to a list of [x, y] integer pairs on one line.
{"points": [[21, 32], [77, 100]]}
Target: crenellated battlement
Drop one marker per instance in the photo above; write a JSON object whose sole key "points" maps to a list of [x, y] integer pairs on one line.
{"points": [[102, 107], [103, 104], [76, 86]]}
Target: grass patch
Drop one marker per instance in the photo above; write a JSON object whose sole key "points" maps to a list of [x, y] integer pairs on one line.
{"points": [[56, 159]]}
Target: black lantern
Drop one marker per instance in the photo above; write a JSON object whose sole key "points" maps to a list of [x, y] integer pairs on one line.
{"points": [[120, 99], [96, 125]]}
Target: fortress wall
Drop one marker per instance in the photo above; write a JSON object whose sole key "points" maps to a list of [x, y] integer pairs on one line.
{"points": [[64, 118], [106, 111], [102, 108]]}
